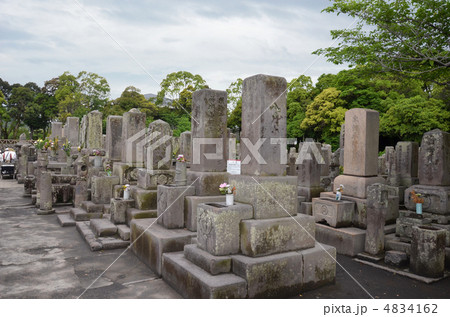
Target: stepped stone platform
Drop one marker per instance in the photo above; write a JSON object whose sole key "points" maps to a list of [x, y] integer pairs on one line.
{"points": [[97, 243], [274, 276], [150, 240]]}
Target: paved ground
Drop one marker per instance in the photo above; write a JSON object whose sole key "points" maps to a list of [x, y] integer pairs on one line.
{"points": [[40, 259]]}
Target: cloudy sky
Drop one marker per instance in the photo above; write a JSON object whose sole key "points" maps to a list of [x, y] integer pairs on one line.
{"points": [[139, 42]]}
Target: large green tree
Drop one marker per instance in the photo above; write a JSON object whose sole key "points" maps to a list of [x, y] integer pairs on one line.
{"points": [[299, 95], [174, 84], [405, 37], [21, 98], [234, 100]]}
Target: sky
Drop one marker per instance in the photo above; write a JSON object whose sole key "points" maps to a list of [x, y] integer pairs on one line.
{"points": [[137, 43]]}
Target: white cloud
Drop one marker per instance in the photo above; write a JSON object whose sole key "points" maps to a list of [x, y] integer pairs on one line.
{"points": [[221, 42]]}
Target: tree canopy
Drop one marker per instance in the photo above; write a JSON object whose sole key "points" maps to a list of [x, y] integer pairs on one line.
{"points": [[406, 37]]}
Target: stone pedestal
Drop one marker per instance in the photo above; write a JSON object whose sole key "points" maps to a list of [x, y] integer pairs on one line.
{"points": [[190, 208], [218, 227], [356, 186], [46, 197], [427, 251], [336, 213]]}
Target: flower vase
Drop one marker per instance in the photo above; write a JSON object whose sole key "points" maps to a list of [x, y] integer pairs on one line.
{"points": [[180, 174], [229, 199], [69, 161], [97, 161], [419, 208], [126, 194]]}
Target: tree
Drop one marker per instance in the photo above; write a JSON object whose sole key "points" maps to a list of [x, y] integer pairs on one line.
{"points": [[174, 84], [40, 112], [299, 94], [79, 95], [234, 94], [21, 98], [324, 117], [410, 118], [406, 37]]}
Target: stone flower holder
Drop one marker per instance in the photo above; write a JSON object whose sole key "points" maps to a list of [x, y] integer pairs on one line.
{"points": [[97, 161], [229, 199], [180, 174], [427, 251]]}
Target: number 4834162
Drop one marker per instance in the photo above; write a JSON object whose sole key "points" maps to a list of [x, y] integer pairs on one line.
{"points": [[412, 308]]}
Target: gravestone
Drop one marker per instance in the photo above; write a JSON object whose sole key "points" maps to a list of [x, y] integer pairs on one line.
{"points": [[94, 130], [159, 146], [114, 142], [360, 152], [185, 145], [377, 204], [56, 130], [264, 126], [72, 130], [209, 142], [133, 138]]}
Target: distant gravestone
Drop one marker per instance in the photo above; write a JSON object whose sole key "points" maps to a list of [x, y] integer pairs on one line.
{"points": [[114, 142], [94, 132]]}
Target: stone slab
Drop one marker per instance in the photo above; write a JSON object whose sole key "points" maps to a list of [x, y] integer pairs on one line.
{"points": [[102, 188], [319, 266], [65, 220], [273, 276], [124, 232], [91, 207], [404, 226], [144, 199], [87, 234], [118, 211], [434, 158], [218, 227], [150, 241], [103, 227], [396, 258], [270, 196], [78, 214], [110, 243], [192, 282], [133, 213], [190, 208], [336, 213], [270, 236], [206, 183], [212, 264], [347, 241]]}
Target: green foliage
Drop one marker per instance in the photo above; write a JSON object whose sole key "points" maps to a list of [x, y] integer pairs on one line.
{"points": [[234, 94], [324, 117], [235, 118], [406, 37], [299, 95], [409, 118], [178, 122], [174, 84]]}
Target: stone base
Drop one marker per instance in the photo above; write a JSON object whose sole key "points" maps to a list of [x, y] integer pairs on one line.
{"points": [[270, 196], [310, 192], [102, 188], [370, 257], [65, 220], [396, 258], [206, 183], [404, 226], [151, 240], [150, 179], [133, 213], [99, 243], [336, 213], [219, 226], [437, 198], [45, 212], [102, 227], [270, 236], [212, 264], [356, 186], [118, 210], [286, 274], [190, 208], [347, 241], [144, 199], [79, 214], [360, 212], [192, 282]]}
